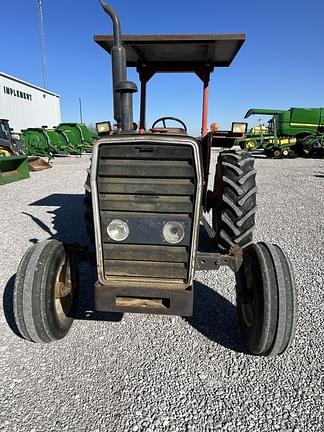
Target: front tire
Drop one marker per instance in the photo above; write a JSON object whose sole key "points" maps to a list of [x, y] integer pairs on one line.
{"points": [[266, 300], [233, 216], [44, 292], [88, 211]]}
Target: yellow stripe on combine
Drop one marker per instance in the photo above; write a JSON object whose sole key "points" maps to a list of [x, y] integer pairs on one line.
{"points": [[305, 124]]}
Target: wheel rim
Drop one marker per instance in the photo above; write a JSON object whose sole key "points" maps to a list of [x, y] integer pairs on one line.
{"points": [[63, 293], [250, 145]]}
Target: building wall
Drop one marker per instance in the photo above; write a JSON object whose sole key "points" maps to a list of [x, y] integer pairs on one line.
{"points": [[26, 105]]}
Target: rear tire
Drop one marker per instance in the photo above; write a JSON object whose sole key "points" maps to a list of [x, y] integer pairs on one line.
{"points": [[233, 217], [44, 292], [266, 300]]}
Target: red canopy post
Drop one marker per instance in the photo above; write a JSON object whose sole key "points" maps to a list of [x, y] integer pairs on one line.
{"points": [[204, 109]]}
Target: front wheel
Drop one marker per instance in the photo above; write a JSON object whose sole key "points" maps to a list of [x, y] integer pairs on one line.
{"points": [[266, 300], [88, 211], [43, 293]]}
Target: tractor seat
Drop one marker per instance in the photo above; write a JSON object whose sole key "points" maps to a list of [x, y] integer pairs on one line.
{"points": [[169, 130]]}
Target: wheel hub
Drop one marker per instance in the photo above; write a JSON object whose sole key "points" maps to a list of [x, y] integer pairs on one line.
{"points": [[63, 292], [247, 296]]}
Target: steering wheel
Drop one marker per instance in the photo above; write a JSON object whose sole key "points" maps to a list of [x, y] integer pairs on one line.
{"points": [[162, 119]]}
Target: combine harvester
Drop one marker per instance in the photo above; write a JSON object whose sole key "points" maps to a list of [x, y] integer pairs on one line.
{"points": [[297, 131]]}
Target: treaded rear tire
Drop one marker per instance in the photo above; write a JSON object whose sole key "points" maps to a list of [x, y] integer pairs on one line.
{"points": [[233, 218]]}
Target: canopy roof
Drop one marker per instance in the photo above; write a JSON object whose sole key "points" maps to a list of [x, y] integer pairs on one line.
{"points": [[178, 52]]}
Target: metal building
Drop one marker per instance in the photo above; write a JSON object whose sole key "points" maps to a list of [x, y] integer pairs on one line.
{"points": [[26, 105]]}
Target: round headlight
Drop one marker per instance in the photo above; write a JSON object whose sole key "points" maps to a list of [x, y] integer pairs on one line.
{"points": [[173, 232], [118, 230]]}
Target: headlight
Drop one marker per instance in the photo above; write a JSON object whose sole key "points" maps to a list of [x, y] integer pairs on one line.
{"points": [[239, 127], [173, 232], [118, 230], [103, 127]]}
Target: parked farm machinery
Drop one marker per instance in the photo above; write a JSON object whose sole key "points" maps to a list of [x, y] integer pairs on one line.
{"points": [[13, 163], [297, 131], [65, 139], [145, 199]]}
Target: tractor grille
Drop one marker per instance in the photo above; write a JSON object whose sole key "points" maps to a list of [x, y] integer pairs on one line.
{"points": [[146, 185]]}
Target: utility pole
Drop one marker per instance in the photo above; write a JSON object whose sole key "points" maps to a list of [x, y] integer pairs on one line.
{"points": [[42, 41], [80, 106]]}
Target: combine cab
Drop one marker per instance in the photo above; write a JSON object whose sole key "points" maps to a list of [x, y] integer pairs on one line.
{"points": [[146, 195]]}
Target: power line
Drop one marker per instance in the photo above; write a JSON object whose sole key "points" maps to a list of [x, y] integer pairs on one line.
{"points": [[42, 42]]}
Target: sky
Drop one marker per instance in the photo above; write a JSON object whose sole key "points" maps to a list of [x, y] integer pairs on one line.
{"points": [[280, 65]]}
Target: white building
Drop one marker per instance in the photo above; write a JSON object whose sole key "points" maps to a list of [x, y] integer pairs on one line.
{"points": [[26, 105]]}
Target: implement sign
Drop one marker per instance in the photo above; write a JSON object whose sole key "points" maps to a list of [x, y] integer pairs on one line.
{"points": [[17, 93]]}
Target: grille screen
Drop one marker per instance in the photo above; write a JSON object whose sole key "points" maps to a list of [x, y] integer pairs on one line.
{"points": [[146, 185]]}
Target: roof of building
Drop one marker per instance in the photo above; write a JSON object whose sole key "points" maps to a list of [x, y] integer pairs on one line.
{"points": [[28, 84]]}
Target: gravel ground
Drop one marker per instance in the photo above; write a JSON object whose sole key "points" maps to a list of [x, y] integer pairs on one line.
{"points": [[160, 373]]}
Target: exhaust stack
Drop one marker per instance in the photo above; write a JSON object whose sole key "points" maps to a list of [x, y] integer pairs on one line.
{"points": [[122, 89]]}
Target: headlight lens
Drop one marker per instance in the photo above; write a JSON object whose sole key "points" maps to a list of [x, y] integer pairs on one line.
{"points": [[239, 127], [173, 232], [103, 127], [118, 230]]}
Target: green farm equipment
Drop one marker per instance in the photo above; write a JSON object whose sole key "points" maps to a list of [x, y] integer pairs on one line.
{"points": [[58, 142], [65, 139], [294, 131], [13, 168], [45, 142], [77, 136], [36, 143], [146, 197], [13, 163]]}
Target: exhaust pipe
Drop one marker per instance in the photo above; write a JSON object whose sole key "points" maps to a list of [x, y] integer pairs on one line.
{"points": [[122, 89]]}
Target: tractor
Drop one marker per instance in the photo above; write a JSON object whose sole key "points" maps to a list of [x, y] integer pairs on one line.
{"points": [[146, 199]]}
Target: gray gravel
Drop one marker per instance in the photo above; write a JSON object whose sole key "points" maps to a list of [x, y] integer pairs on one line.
{"points": [[159, 373]]}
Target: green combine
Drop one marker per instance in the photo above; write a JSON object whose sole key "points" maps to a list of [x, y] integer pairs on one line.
{"points": [[295, 131]]}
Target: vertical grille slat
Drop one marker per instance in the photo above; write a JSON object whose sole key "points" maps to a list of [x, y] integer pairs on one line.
{"points": [[147, 185]]}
